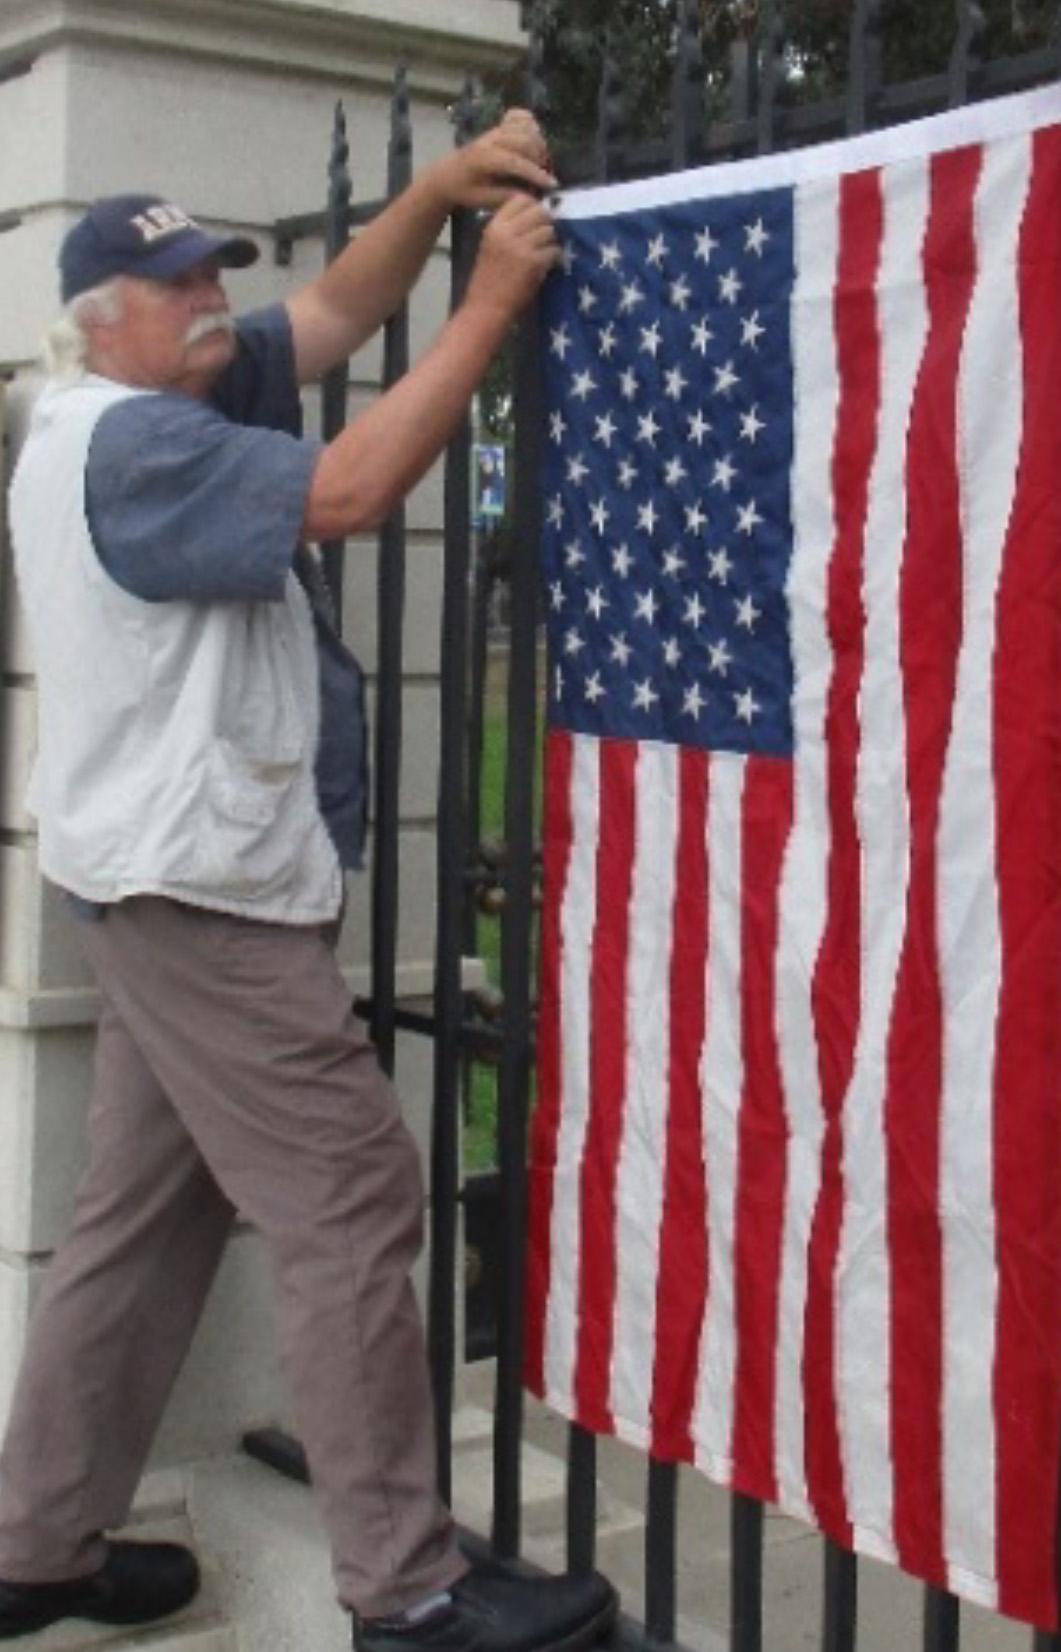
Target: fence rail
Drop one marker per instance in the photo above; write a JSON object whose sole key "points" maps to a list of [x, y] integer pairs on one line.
{"points": [[758, 120]]}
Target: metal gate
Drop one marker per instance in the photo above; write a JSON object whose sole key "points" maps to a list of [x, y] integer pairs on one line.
{"points": [[501, 878]]}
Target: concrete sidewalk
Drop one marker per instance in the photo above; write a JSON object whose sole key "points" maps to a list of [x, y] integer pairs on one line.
{"points": [[889, 1603]]}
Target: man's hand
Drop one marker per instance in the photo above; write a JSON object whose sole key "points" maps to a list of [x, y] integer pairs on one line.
{"points": [[511, 157], [518, 250]]}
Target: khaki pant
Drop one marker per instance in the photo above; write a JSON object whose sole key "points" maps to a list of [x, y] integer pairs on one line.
{"points": [[231, 1074]]}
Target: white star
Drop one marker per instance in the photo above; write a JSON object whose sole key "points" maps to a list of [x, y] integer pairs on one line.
{"points": [[555, 512], [694, 702], [676, 382], [560, 341], [747, 706], [674, 472], [647, 517], [725, 379], [609, 256], [621, 649], [630, 298], [558, 683], [645, 606], [672, 654], [694, 611], [680, 293], [719, 566], [627, 473], [702, 336], [673, 562], [729, 287], [657, 252], [573, 642], [567, 257], [695, 518], [557, 428], [748, 518], [584, 385], [651, 339], [645, 695], [698, 428], [751, 424], [605, 431], [747, 613], [599, 514], [628, 385], [556, 596], [573, 553], [593, 688], [755, 237], [587, 300], [596, 602], [725, 471], [622, 561], [647, 428], [751, 330], [576, 469], [719, 658], [607, 341], [705, 245]]}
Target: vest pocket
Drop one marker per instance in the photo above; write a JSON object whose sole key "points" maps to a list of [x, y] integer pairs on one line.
{"points": [[254, 822]]}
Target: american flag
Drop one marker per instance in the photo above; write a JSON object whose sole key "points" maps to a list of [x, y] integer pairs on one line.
{"points": [[796, 1158]]}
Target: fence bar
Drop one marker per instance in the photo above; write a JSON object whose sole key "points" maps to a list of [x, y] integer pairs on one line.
{"points": [[941, 1622], [864, 71], [391, 609], [687, 95], [746, 1574], [964, 58], [840, 1614], [609, 111], [335, 382], [581, 1499], [1043, 1642], [661, 1552], [450, 863], [514, 1074], [771, 30]]}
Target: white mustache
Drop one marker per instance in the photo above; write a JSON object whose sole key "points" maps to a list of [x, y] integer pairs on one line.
{"points": [[218, 321]]}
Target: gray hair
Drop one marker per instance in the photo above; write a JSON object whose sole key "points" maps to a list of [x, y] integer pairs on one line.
{"points": [[65, 344]]}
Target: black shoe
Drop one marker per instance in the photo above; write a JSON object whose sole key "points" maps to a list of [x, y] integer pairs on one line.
{"points": [[492, 1612], [136, 1583]]}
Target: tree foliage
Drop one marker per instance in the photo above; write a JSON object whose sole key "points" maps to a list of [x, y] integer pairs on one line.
{"points": [[638, 35]]}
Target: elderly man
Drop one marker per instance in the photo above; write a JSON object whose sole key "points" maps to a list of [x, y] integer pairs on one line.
{"points": [[198, 789]]}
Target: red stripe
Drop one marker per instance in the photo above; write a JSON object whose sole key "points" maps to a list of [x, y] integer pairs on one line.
{"points": [[683, 1231], [763, 1135], [1027, 1146], [837, 978], [558, 831], [930, 632], [608, 1040]]}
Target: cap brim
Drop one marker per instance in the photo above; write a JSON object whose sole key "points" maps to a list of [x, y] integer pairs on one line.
{"points": [[233, 252]]}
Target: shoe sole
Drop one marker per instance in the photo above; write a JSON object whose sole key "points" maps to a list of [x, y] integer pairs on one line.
{"points": [[44, 1620]]}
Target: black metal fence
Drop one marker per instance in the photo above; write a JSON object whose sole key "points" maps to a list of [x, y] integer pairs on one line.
{"points": [[467, 1027]]}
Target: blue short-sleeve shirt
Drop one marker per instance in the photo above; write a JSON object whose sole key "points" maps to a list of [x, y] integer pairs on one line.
{"points": [[203, 501]]}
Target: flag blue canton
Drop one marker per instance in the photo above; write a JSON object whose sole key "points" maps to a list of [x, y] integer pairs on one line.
{"points": [[667, 514]]}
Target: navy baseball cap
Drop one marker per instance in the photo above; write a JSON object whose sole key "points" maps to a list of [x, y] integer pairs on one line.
{"points": [[141, 235]]}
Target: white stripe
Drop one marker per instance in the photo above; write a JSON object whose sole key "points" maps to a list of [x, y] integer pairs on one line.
{"points": [[643, 1149], [577, 928], [863, 1277], [801, 910], [990, 405], [991, 119], [721, 1085]]}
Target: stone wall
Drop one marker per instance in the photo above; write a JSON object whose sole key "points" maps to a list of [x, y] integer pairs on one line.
{"points": [[226, 106]]}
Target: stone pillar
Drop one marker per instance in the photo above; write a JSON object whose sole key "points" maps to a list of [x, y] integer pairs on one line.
{"points": [[226, 108]]}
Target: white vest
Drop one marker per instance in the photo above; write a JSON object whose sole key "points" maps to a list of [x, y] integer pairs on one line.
{"points": [[176, 740]]}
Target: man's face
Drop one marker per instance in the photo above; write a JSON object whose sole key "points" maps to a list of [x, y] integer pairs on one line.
{"points": [[171, 335]]}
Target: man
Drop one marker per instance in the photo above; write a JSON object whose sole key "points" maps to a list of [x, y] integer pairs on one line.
{"points": [[198, 787]]}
